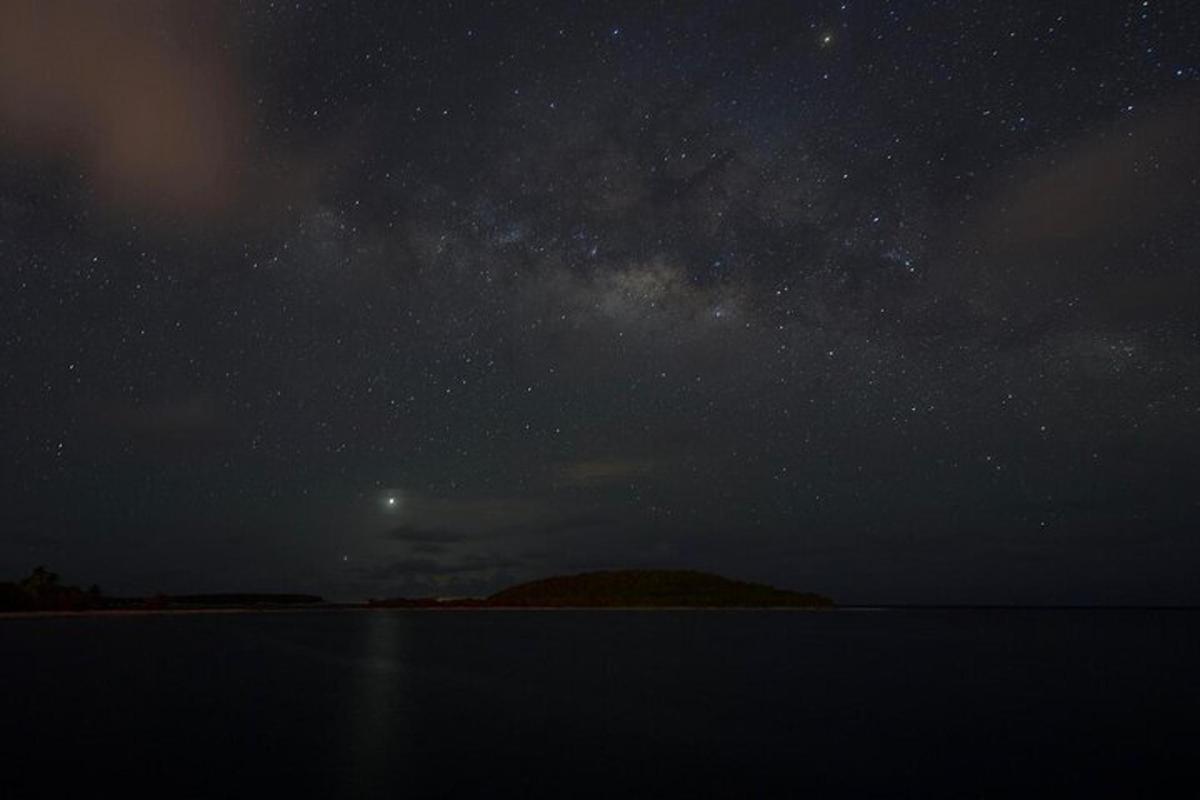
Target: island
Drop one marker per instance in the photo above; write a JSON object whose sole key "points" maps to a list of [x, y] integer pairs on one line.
{"points": [[42, 592], [629, 588]]}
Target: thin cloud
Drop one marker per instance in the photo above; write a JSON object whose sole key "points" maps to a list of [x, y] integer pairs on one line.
{"points": [[142, 94], [595, 472], [418, 535]]}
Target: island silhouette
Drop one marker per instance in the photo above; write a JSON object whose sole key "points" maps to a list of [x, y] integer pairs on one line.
{"points": [[628, 588], [42, 591]]}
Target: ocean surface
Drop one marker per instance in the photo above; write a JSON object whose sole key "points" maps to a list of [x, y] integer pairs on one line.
{"points": [[364, 704]]}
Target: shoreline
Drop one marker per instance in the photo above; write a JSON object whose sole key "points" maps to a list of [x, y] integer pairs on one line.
{"points": [[145, 612]]}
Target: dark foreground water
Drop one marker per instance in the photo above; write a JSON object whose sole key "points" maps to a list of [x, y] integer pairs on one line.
{"points": [[563, 704]]}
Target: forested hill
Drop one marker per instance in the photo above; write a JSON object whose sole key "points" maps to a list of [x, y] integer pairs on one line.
{"points": [[652, 588]]}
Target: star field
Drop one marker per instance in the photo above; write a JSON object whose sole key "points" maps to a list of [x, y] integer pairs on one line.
{"points": [[892, 301]]}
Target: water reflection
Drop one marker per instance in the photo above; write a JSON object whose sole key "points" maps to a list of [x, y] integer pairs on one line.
{"points": [[379, 730]]}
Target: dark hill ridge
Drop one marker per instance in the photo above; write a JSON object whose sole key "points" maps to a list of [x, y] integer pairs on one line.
{"points": [[651, 588]]}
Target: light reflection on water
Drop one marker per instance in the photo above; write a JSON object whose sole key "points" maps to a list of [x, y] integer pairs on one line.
{"points": [[379, 738]]}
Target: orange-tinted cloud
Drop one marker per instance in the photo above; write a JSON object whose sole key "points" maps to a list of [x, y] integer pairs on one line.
{"points": [[1057, 227], [140, 94], [1124, 179], [604, 471]]}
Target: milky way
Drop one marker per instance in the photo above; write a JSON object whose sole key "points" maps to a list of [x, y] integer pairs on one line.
{"points": [[891, 301]]}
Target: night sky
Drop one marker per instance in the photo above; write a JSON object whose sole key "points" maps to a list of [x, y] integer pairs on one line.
{"points": [[892, 301]]}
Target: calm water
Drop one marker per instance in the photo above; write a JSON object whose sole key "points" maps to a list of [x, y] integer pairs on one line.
{"points": [[374, 704]]}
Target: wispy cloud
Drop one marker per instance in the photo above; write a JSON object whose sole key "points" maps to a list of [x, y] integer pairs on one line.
{"points": [[417, 535], [149, 97], [594, 472]]}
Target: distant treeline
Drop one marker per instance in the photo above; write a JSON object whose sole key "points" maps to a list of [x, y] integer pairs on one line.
{"points": [[428, 602], [243, 599], [628, 589], [43, 591]]}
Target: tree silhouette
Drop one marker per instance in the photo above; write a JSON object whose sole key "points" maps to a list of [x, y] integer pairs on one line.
{"points": [[40, 581]]}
